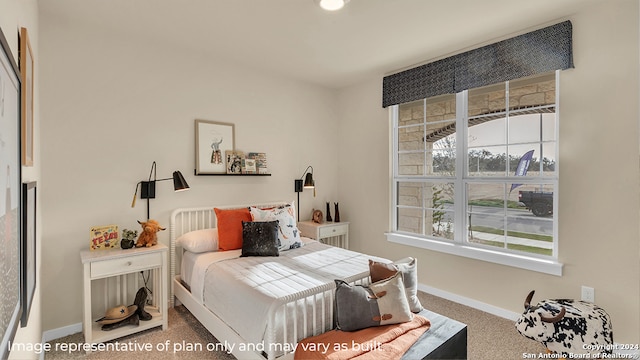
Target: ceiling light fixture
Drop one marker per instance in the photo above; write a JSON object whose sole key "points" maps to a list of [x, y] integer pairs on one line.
{"points": [[332, 5]]}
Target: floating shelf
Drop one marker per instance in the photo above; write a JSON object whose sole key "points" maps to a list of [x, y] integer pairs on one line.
{"points": [[221, 174]]}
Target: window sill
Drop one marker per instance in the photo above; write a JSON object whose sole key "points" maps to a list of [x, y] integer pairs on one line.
{"points": [[518, 261]]}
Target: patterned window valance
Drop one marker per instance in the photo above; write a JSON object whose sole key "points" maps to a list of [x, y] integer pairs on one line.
{"points": [[539, 51]]}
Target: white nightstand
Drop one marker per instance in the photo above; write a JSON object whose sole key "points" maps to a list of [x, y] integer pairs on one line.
{"points": [[118, 271], [328, 232]]}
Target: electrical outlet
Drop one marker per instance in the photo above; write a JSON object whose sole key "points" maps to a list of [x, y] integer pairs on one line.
{"points": [[588, 294]]}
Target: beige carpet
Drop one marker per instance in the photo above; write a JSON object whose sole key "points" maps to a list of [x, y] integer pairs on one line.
{"points": [[489, 337]]}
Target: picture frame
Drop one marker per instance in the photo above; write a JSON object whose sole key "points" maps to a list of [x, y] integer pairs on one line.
{"points": [[10, 197], [29, 271], [234, 160], [260, 162], [26, 75], [213, 140]]}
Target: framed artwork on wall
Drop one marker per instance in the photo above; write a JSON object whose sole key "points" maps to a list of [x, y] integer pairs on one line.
{"points": [[10, 204], [28, 248], [213, 140], [26, 73]]}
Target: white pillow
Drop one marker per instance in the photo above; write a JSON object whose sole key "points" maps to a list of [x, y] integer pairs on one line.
{"points": [[199, 241], [288, 233]]}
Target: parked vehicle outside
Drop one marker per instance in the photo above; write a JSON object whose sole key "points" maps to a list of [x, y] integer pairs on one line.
{"points": [[539, 202]]}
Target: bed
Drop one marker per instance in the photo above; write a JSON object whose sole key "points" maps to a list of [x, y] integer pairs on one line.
{"points": [[294, 299], [298, 291]]}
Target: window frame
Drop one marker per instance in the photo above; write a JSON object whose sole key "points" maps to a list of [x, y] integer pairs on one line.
{"points": [[460, 246]]}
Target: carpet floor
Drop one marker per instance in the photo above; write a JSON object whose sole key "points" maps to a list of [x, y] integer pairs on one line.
{"points": [[489, 338]]}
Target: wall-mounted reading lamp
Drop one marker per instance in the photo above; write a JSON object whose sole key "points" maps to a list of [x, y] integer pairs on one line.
{"points": [[148, 188], [308, 184]]}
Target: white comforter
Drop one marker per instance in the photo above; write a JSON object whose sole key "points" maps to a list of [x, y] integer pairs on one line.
{"points": [[241, 290]]}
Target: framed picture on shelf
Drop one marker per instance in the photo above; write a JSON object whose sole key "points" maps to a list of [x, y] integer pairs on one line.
{"points": [[10, 183], [213, 140], [28, 248], [261, 162], [26, 73], [249, 166], [234, 161]]}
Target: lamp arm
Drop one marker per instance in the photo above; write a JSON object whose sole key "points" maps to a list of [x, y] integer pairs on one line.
{"points": [[153, 171], [305, 171]]}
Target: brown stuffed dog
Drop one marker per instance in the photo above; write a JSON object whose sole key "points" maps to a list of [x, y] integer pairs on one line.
{"points": [[148, 237]]}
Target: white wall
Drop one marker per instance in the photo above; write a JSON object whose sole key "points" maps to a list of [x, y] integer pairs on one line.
{"points": [[15, 14], [599, 239], [114, 103]]}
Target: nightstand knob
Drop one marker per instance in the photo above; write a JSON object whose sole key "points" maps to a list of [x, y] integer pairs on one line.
{"points": [[128, 263]]}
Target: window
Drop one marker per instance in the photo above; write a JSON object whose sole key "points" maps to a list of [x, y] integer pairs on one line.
{"points": [[475, 173]]}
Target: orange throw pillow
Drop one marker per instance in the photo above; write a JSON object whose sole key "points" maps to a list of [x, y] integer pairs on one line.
{"points": [[230, 227]]}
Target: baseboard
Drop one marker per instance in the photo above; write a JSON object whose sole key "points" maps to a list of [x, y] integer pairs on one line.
{"points": [[58, 333], [61, 332], [479, 305]]}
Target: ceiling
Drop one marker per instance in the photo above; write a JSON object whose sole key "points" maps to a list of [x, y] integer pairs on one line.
{"points": [[297, 39]]}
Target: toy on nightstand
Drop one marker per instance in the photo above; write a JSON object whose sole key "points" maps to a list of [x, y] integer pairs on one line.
{"points": [[317, 216], [128, 238], [148, 237]]}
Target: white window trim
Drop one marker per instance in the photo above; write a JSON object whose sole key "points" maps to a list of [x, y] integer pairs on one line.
{"points": [[545, 265]]}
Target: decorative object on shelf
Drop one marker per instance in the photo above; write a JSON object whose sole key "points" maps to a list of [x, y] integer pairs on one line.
{"points": [[299, 186], [28, 248], [329, 212], [317, 216], [128, 238], [213, 140], [234, 161], [148, 188], [26, 72], [149, 235], [337, 216], [140, 301], [10, 215], [249, 166], [103, 237], [119, 316], [261, 162]]}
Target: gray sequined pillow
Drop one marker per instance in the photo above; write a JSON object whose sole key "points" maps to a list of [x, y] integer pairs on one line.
{"points": [[260, 238]]}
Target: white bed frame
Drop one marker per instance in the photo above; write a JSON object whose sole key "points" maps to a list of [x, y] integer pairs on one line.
{"points": [[319, 299]]}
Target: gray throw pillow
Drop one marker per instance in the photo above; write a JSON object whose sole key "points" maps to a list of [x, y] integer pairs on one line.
{"points": [[381, 303]]}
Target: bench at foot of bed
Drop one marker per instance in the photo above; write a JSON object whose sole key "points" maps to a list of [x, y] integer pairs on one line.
{"points": [[427, 336], [445, 339]]}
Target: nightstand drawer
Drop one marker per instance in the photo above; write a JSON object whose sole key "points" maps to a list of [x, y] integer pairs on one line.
{"points": [[125, 265], [335, 230]]}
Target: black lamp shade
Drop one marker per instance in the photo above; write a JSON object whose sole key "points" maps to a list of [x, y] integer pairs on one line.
{"points": [[179, 183], [308, 181]]}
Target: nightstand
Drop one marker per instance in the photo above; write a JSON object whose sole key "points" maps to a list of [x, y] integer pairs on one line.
{"points": [[115, 275], [328, 232]]}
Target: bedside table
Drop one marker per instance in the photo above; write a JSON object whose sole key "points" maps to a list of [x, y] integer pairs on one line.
{"points": [[328, 232], [117, 270]]}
